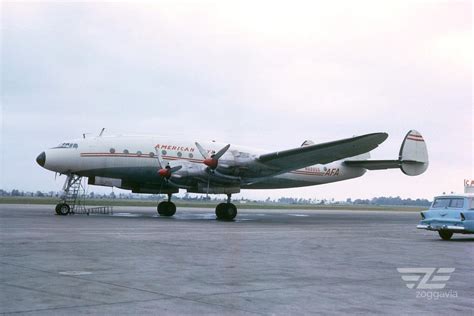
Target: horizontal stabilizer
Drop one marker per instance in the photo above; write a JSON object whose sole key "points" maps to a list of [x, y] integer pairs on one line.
{"points": [[412, 158], [373, 164]]}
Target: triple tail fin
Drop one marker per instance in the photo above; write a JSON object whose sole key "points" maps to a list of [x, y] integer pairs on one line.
{"points": [[412, 158]]}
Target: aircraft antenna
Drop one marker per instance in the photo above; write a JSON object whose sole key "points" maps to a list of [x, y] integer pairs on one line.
{"points": [[102, 131]]}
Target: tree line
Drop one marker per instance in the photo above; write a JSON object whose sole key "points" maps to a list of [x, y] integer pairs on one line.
{"points": [[383, 200]]}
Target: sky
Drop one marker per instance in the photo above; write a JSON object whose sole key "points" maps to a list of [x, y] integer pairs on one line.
{"points": [[266, 74]]}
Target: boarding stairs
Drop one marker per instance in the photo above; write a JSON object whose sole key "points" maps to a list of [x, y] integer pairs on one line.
{"points": [[75, 196]]}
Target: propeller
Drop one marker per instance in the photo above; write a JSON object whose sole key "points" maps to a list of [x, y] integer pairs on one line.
{"points": [[211, 161], [166, 171]]}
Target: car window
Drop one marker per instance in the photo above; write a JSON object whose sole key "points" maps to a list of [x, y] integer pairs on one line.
{"points": [[456, 203], [441, 203]]}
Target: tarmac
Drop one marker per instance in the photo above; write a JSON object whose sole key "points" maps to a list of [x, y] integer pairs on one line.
{"points": [[267, 262]]}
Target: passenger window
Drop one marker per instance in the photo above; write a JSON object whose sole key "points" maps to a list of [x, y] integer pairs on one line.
{"points": [[179, 154], [75, 146], [163, 152], [190, 155], [151, 154], [125, 151], [112, 150], [139, 153]]}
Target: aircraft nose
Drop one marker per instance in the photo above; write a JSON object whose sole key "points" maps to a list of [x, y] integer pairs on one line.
{"points": [[41, 159]]}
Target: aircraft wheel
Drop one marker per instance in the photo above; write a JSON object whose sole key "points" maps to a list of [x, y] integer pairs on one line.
{"points": [[62, 209], [226, 211], [57, 209], [166, 208], [445, 234]]}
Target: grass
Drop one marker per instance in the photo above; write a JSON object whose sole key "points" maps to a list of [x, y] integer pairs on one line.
{"points": [[211, 204]]}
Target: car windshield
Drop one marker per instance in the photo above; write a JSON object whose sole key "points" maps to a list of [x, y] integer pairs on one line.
{"points": [[448, 202]]}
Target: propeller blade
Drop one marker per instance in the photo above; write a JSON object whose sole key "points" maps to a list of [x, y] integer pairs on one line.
{"points": [[221, 152], [201, 150], [161, 163], [161, 185], [174, 169]]}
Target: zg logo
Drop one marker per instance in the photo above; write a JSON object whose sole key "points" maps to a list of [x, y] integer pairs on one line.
{"points": [[426, 278]]}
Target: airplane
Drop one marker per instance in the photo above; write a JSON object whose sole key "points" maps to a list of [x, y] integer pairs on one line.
{"points": [[163, 165]]}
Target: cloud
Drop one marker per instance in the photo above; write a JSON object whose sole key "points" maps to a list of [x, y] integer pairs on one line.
{"points": [[263, 74]]}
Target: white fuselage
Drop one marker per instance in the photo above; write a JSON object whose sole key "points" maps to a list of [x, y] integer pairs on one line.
{"points": [[133, 160]]}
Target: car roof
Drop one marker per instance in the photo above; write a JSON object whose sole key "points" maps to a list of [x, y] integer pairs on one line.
{"points": [[455, 196]]}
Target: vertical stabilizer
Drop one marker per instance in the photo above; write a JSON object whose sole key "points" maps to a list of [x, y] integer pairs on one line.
{"points": [[413, 154]]}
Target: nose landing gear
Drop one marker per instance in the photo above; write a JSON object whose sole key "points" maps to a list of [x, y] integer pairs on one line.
{"points": [[62, 209], [69, 200], [226, 211]]}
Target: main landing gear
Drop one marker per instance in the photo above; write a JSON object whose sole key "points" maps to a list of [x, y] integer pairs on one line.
{"points": [[166, 208], [226, 211]]}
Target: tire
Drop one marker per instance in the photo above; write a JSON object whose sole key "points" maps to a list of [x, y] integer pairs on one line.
{"points": [[226, 211], [57, 209], [445, 234], [62, 209], [219, 212], [166, 208]]}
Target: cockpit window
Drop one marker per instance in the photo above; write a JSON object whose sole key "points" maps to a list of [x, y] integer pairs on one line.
{"points": [[67, 145]]}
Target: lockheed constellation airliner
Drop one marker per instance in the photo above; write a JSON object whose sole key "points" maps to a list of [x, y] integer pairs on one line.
{"points": [[154, 164]]}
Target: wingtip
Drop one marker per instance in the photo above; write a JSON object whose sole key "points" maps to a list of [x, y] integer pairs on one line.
{"points": [[380, 137], [384, 136]]}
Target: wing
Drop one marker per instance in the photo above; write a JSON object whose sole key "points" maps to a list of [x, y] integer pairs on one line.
{"points": [[292, 159]]}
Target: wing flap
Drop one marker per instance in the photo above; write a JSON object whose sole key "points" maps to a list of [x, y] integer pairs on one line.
{"points": [[301, 157]]}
